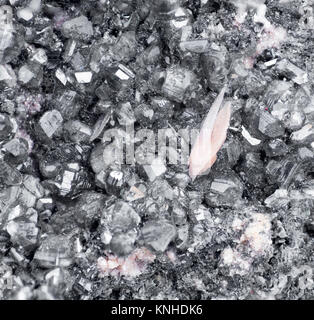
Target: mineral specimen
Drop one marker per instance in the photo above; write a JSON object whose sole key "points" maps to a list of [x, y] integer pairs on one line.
{"points": [[156, 149]]}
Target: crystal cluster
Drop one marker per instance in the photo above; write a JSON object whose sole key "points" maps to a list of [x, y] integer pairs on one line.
{"points": [[92, 207]]}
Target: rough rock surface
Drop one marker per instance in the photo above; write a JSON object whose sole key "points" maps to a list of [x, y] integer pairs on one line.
{"points": [[85, 85]]}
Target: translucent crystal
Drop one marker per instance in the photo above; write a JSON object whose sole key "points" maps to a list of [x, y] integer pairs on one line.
{"points": [[158, 234], [293, 72], [68, 105], [39, 56], [305, 153], [32, 184], [122, 244], [83, 77], [88, 208], [9, 175], [270, 126], [69, 49], [61, 76], [6, 28], [54, 251], [26, 74], [155, 169], [45, 204], [114, 182], [35, 5], [197, 46], [304, 136], [5, 73], [125, 114], [214, 68], [78, 131], [178, 213], [50, 122], [224, 191], [295, 120], [125, 48], [67, 179], [279, 199], [25, 14], [23, 232], [124, 217], [79, 28], [282, 171], [275, 148], [175, 81], [6, 126], [182, 237], [253, 141], [99, 126]]}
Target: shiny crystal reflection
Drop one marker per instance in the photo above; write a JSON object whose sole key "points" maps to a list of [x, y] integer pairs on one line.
{"points": [[101, 102]]}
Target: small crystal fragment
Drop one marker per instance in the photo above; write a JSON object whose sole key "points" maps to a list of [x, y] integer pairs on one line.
{"points": [[270, 63], [214, 67], [88, 208], [50, 122], [9, 175], [78, 131], [197, 46], [35, 5], [79, 28], [83, 77], [6, 28], [135, 193], [295, 120], [122, 244], [305, 153], [178, 214], [69, 49], [5, 73], [61, 76], [282, 171], [278, 199], [182, 237], [275, 148], [54, 251], [23, 232], [158, 234], [270, 126], [125, 114], [99, 126], [26, 74], [6, 126], [304, 135], [39, 56], [25, 14], [45, 204], [155, 169], [114, 182], [224, 191], [125, 48], [293, 72], [124, 217], [66, 184], [253, 141], [176, 81]]}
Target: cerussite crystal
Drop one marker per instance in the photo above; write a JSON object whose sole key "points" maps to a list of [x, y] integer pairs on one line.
{"points": [[79, 28], [158, 234], [156, 150], [50, 122]]}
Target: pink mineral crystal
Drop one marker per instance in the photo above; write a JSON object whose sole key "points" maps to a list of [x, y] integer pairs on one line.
{"points": [[131, 266], [211, 137]]}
